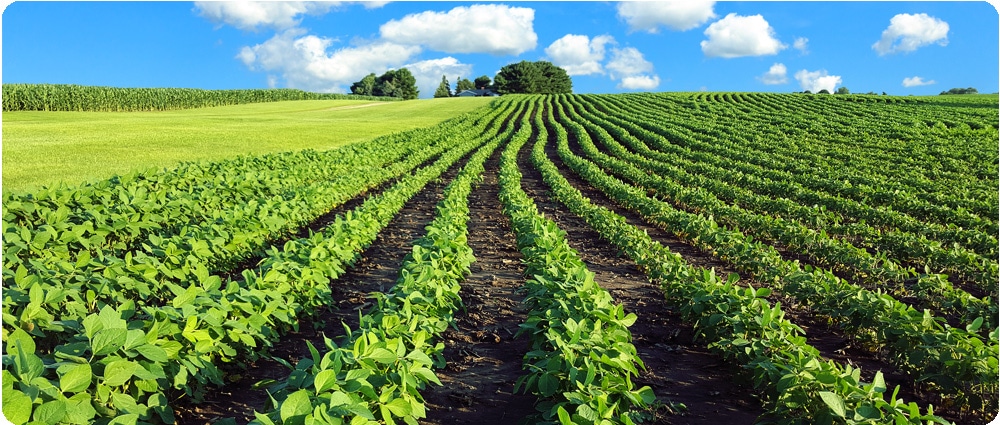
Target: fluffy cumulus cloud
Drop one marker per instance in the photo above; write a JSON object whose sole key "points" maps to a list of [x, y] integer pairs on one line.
{"points": [[482, 28], [428, 73], [306, 62], [916, 82], [676, 15], [251, 15], [579, 54], [632, 69], [814, 81], [907, 33], [736, 36], [640, 82], [777, 74]]}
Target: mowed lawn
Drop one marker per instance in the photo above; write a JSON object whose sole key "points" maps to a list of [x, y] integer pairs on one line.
{"points": [[47, 148]]}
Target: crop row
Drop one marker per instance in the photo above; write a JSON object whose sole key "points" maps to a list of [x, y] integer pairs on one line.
{"points": [[134, 356], [847, 141], [738, 322], [794, 186], [376, 373], [712, 136], [581, 358], [69, 97], [702, 196], [961, 363], [47, 294]]}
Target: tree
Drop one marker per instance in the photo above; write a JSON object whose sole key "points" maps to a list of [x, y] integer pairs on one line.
{"points": [[444, 89], [396, 83], [970, 90], [365, 87], [843, 90], [824, 91], [532, 77], [462, 85], [483, 82]]}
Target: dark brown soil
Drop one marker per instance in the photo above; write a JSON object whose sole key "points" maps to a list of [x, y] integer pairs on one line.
{"points": [[692, 385], [375, 271], [484, 358], [826, 338]]}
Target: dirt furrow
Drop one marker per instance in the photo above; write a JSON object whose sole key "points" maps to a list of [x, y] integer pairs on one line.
{"points": [[484, 359], [375, 271], [693, 385], [830, 341]]}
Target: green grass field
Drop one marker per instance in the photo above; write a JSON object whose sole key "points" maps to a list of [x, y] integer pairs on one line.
{"points": [[46, 148]]}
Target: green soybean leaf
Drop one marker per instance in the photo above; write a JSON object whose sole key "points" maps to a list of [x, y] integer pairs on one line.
{"points": [[399, 407], [79, 409], [295, 408], [548, 385], [118, 372], [107, 341], [975, 325], [76, 379], [51, 412], [383, 356], [152, 353], [835, 403], [16, 406], [563, 416], [324, 380]]}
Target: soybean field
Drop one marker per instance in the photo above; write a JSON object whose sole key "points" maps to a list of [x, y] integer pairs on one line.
{"points": [[657, 258]]}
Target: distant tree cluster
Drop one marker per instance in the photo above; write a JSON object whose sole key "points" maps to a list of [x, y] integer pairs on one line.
{"points": [[532, 77], [462, 84], [394, 83], [970, 90]]}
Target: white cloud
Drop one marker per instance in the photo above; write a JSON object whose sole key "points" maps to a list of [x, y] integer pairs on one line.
{"points": [[640, 82], [249, 15], [735, 36], [916, 81], [676, 15], [801, 44], [304, 62], [908, 32], [579, 54], [494, 29], [814, 81], [428, 73], [628, 61], [634, 71], [777, 74]]}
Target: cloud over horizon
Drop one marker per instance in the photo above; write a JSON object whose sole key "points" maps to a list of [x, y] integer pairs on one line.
{"points": [[736, 36], [777, 74], [815, 81], [252, 15], [907, 33], [579, 54], [484, 28], [678, 15], [916, 81]]}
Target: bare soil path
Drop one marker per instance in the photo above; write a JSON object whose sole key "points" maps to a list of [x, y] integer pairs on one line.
{"points": [[376, 271], [484, 359], [678, 370]]}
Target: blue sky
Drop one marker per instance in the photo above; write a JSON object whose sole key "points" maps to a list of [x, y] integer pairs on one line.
{"points": [[894, 47]]}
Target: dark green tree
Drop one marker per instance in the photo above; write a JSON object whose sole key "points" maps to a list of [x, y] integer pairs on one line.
{"points": [[532, 77], [843, 90], [365, 87], [397, 83], [483, 82], [824, 91], [444, 89], [463, 84]]}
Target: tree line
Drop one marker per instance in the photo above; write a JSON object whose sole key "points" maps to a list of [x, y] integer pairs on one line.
{"points": [[540, 77]]}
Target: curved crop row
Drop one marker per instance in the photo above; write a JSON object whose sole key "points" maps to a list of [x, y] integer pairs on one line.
{"points": [[740, 325], [961, 363], [375, 375], [581, 358], [133, 356]]}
